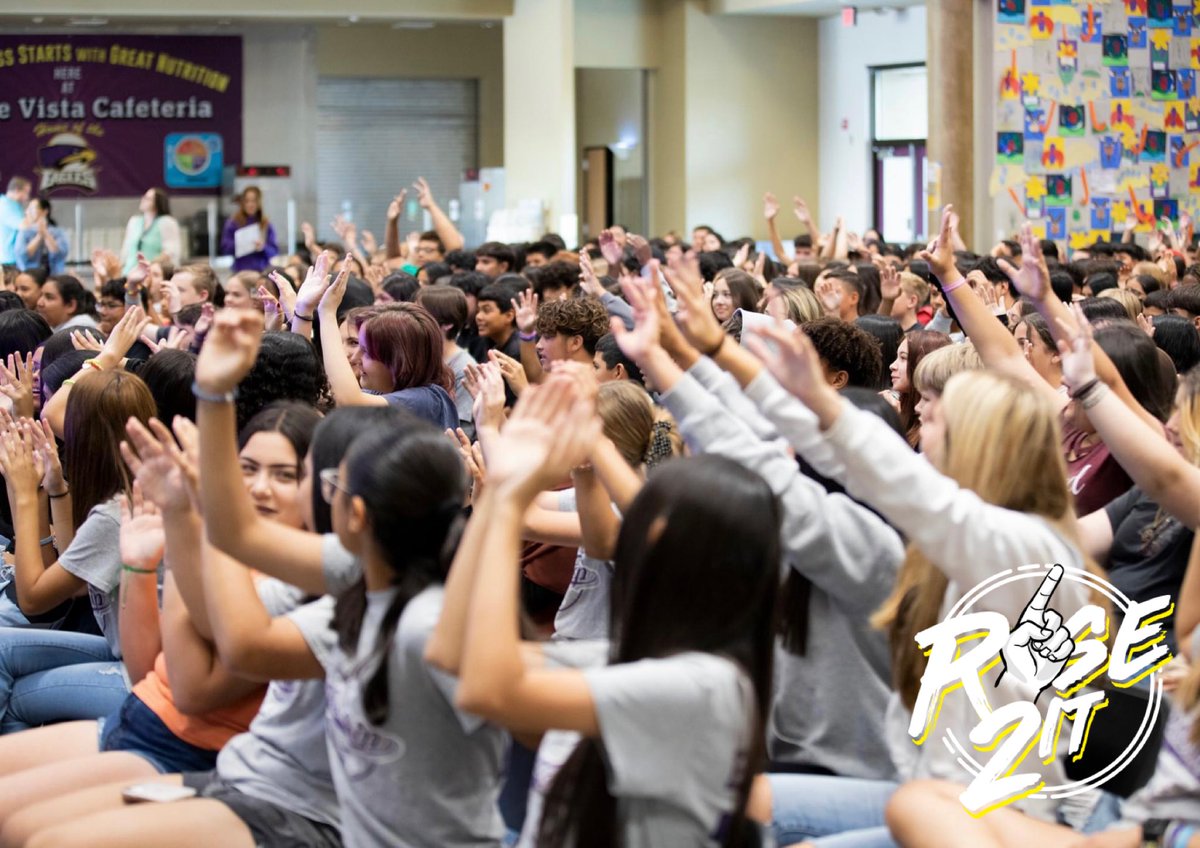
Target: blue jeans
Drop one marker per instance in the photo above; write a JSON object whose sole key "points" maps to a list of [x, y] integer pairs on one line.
{"points": [[48, 676], [833, 812]]}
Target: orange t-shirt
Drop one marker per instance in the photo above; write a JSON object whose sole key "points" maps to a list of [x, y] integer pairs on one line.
{"points": [[210, 731]]}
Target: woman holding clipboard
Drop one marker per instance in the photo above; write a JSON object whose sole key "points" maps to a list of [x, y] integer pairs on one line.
{"points": [[248, 236]]}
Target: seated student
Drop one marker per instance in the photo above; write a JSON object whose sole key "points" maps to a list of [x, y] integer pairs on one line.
{"points": [[197, 284], [842, 293], [429, 248], [612, 364], [554, 280], [66, 304], [409, 766], [494, 259], [400, 347], [448, 306], [914, 293], [167, 724], [569, 330], [28, 284], [635, 775], [1179, 338], [1185, 302], [733, 289], [539, 253]]}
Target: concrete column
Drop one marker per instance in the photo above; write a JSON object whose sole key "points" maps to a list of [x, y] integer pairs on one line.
{"points": [[540, 159], [951, 114]]}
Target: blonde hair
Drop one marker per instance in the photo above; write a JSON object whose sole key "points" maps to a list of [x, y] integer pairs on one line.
{"points": [[938, 366], [911, 284], [1150, 270], [628, 417], [1003, 442], [1131, 302], [802, 305]]}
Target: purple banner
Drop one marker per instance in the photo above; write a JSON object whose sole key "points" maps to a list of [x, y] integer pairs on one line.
{"points": [[113, 115]]}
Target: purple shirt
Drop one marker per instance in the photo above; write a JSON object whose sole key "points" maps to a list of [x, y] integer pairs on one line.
{"points": [[256, 261]]}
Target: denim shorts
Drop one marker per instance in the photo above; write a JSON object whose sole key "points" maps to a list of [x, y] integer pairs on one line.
{"points": [[136, 729]]}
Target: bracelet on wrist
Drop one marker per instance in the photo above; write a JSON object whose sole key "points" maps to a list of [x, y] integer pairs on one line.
{"points": [[528, 337], [1178, 835], [49, 540], [93, 364], [135, 570], [961, 281], [1084, 389], [1093, 397], [302, 316], [213, 397], [61, 494]]}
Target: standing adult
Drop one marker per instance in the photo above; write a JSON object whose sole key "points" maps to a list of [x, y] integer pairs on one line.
{"points": [[12, 218], [41, 243], [249, 214], [152, 231]]}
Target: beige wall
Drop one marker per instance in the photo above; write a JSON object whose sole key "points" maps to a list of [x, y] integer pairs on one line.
{"points": [[448, 51], [749, 97], [618, 33]]}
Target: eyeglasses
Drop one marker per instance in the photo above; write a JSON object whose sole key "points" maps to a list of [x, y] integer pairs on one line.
{"points": [[330, 484], [110, 304]]}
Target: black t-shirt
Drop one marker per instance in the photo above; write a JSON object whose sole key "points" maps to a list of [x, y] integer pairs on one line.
{"points": [[1149, 553]]}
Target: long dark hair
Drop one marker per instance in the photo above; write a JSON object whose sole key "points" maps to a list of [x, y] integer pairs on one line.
{"points": [[921, 343], [333, 438], [99, 405], [1136, 358], [412, 483], [291, 419], [690, 574], [72, 291]]}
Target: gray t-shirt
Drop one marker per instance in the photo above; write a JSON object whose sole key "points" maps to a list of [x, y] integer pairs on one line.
{"points": [[283, 758], [430, 774], [557, 745], [94, 556], [340, 567], [676, 736], [585, 609], [462, 398]]}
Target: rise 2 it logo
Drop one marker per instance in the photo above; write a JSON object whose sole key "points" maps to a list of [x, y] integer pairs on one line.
{"points": [[1041, 651], [66, 161]]}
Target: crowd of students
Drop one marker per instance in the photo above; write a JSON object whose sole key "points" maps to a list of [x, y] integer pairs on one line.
{"points": [[629, 544]]}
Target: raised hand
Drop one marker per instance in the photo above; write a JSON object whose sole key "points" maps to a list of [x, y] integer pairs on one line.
{"points": [[396, 207], [332, 299], [170, 297], [105, 265], [287, 293], [370, 244], [272, 310], [612, 252], [1032, 279], [45, 450], [488, 408], [316, 281], [16, 383], [150, 455], [424, 194], [472, 456], [770, 206], [142, 537], [639, 342], [1075, 349], [640, 247], [229, 350], [310, 235], [739, 258], [940, 252], [588, 281], [800, 208], [18, 463], [1146, 324], [551, 431], [693, 315], [85, 341], [760, 263], [525, 304], [512, 371], [889, 281], [829, 293], [123, 336]]}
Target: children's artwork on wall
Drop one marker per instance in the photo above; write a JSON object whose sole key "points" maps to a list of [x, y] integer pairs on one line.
{"points": [[1167, 208], [1010, 11], [1098, 114]]}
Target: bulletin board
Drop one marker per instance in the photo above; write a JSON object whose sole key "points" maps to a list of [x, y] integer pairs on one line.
{"points": [[1097, 115]]}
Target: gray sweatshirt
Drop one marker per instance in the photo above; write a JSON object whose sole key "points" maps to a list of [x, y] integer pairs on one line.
{"points": [[829, 704]]}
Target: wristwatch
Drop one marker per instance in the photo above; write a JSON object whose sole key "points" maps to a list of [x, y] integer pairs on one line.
{"points": [[1153, 831]]}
